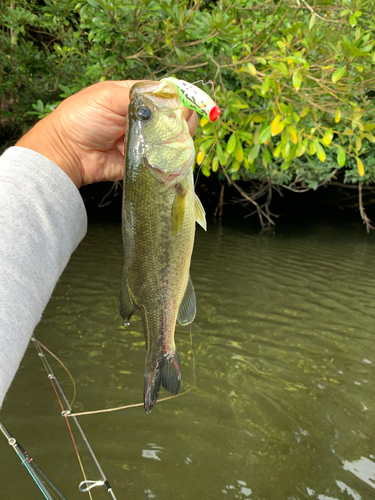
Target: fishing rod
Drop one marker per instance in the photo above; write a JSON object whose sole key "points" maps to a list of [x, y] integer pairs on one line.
{"points": [[86, 485], [34, 470]]}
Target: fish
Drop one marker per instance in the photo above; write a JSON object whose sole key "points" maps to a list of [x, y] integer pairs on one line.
{"points": [[159, 212]]}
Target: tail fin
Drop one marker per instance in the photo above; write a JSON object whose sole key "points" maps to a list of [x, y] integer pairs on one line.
{"points": [[167, 373]]}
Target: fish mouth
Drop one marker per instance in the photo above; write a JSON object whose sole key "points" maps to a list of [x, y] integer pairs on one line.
{"points": [[149, 88]]}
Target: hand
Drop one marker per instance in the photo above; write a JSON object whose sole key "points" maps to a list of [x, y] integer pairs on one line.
{"points": [[85, 134]]}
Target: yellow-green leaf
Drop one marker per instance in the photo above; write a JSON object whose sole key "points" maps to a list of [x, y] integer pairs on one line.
{"points": [[297, 80], [328, 136], [341, 157], [293, 134], [312, 148], [300, 150], [286, 150], [215, 164], [304, 112], [358, 143], [239, 151], [361, 168], [221, 155], [277, 126], [265, 134], [205, 171], [231, 144], [252, 69], [148, 49], [204, 121], [321, 154], [312, 21], [338, 115], [277, 151], [369, 136], [339, 73], [253, 153], [265, 86], [200, 156], [235, 166]]}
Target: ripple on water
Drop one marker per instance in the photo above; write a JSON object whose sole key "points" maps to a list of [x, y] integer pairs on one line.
{"points": [[284, 362]]}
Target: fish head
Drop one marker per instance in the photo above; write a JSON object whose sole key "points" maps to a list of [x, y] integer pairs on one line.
{"points": [[157, 119]]}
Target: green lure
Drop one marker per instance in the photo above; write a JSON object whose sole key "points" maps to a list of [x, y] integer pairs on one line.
{"points": [[194, 98]]}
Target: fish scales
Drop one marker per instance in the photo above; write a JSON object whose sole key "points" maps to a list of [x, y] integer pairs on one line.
{"points": [[159, 213]]}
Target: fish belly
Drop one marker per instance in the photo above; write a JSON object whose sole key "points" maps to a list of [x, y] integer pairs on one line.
{"points": [[157, 261]]}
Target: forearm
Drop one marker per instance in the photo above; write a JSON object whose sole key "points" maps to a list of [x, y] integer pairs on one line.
{"points": [[42, 220]]}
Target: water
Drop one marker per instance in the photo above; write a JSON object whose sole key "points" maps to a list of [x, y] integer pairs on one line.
{"points": [[283, 406]]}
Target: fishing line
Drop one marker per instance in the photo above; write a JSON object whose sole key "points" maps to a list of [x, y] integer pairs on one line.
{"points": [[70, 413], [32, 467], [217, 136], [85, 485]]}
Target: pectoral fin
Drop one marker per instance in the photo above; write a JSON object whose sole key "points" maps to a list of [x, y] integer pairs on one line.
{"points": [[127, 306], [188, 306], [178, 210], [200, 214]]}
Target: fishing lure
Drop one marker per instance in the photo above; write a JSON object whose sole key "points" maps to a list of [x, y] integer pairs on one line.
{"points": [[193, 98]]}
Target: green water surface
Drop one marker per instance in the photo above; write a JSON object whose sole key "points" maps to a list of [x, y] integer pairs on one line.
{"points": [[283, 407]]}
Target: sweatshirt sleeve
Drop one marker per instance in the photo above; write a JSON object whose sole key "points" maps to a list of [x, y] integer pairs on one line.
{"points": [[42, 221]]}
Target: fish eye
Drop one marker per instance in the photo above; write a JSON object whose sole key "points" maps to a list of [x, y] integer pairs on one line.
{"points": [[143, 113]]}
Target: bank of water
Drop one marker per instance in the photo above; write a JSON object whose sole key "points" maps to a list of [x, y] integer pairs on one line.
{"points": [[283, 406]]}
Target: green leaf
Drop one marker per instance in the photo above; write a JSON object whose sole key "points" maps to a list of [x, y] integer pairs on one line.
{"points": [[353, 20], [205, 171], [341, 157], [215, 164], [231, 144], [286, 164], [220, 154], [265, 134], [339, 73], [253, 153], [267, 155], [148, 49], [265, 86], [312, 21]]}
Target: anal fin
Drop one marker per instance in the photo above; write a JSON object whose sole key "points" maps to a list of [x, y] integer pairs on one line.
{"points": [[188, 306]]}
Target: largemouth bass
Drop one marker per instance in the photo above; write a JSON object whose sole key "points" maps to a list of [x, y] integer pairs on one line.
{"points": [[158, 225]]}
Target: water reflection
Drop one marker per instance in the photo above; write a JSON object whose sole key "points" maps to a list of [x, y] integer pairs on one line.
{"points": [[284, 363], [363, 468]]}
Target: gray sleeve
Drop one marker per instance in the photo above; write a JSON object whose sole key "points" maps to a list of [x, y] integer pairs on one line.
{"points": [[42, 221]]}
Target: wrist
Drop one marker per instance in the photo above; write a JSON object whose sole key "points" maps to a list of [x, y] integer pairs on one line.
{"points": [[44, 138]]}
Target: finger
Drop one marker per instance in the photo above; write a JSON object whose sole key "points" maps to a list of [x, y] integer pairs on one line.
{"points": [[192, 121], [118, 98]]}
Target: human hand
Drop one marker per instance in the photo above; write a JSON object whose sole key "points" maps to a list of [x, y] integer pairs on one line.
{"points": [[85, 134]]}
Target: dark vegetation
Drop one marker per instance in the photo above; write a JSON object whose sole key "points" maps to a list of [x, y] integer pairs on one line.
{"points": [[295, 80]]}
